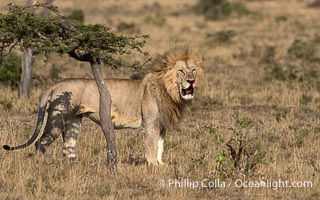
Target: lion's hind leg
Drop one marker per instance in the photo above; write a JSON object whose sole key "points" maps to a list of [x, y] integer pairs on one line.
{"points": [[54, 126], [70, 136]]}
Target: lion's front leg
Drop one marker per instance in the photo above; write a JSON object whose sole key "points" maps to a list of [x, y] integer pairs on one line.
{"points": [[161, 146], [154, 133], [151, 139], [154, 143]]}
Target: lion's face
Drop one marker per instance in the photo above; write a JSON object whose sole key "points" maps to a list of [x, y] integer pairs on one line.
{"points": [[180, 72], [187, 78]]}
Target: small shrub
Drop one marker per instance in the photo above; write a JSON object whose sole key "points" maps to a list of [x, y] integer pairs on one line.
{"points": [[305, 99], [281, 18], [77, 15], [125, 26], [10, 71], [303, 50], [212, 130], [6, 104], [156, 20], [220, 37], [220, 9], [310, 79], [244, 122], [277, 72], [269, 55], [54, 73], [240, 154]]}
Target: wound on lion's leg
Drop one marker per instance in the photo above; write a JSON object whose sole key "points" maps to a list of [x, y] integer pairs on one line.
{"points": [[70, 137]]}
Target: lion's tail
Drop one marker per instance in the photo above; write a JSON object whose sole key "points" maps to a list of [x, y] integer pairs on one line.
{"points": [[42, 111]]}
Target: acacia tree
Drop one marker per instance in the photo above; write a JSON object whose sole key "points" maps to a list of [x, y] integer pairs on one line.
{"points": [[96, 44]]}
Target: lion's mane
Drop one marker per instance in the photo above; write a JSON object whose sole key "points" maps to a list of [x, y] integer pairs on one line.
{"points": [[171, 106]]}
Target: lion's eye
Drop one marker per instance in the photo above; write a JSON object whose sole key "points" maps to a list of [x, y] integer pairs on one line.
{"points": [[194, 71], [181, 72]]}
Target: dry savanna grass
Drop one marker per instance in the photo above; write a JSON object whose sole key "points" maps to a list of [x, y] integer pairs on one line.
{"points": [[256, 117]]}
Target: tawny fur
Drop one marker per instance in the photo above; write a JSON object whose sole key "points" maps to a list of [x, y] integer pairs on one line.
{"points": [[154, 102]]}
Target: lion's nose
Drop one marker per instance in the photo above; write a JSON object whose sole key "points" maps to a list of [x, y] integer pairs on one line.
{"points": [[190, 81]]}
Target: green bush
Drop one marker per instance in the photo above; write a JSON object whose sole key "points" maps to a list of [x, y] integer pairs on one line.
{"points": [[240, 154], [220, 37], [77, 15], [10, 71], [304, 50], [277, 72], [305, 99], [128, 27], [220, 9], [7, 104], [54, 73]]}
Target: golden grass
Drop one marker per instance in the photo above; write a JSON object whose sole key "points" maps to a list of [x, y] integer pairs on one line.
{"points": [[240, 86]]}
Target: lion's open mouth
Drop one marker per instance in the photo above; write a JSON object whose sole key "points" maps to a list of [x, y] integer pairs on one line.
{"points": [[187, 94], [189, 90]]}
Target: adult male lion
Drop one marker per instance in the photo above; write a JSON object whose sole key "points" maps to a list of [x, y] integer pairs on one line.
{"points": [[155, 102]]}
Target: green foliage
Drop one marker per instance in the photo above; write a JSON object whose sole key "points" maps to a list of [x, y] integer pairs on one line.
{"points": [[304, 50], [10, 71], [306, 77], [240, 154], [220, 37], [6, 104], [210, 129], [54, 73], [244, 122], [125, 26], [156, 20], [305, 99], [281, 18], [277, 72], [220, 9], [77, 15], [24, 29], [311, 79]]}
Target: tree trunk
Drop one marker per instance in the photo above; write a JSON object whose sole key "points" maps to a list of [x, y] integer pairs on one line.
{"points": [[105, 115], [26, 65], [26, 76]]}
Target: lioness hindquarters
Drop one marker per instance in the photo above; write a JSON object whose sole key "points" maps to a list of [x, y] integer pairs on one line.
{"points": [[51, 131], [61, 119]]}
